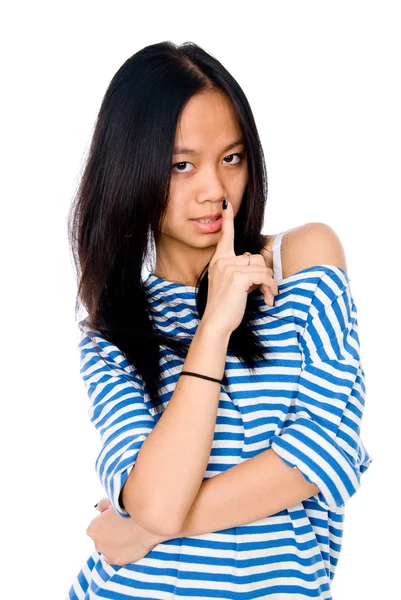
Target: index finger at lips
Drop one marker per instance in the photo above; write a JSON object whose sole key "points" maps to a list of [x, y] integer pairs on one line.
{"points": [[225, 245]]}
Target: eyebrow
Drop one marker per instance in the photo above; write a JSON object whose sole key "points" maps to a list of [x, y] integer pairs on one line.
{"points": [[190, 151]]}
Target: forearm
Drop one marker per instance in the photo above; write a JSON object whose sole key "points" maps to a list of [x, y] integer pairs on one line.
{"points": [[172, 461], [250, 491]]}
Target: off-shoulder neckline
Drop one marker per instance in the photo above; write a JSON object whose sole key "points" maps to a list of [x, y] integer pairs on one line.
{"points": [[154, 278]]}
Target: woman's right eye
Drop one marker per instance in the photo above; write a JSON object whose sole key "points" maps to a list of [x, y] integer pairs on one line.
{"points": [[181, 163]]}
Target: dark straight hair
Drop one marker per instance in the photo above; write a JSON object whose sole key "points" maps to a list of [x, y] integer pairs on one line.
{"points": [[122, 196]]}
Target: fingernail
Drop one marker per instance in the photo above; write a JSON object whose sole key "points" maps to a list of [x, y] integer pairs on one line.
{"points": [[225, 204], [96, 504]]}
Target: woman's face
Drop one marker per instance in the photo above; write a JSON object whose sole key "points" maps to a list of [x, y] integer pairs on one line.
{"points": [[205, 170]]}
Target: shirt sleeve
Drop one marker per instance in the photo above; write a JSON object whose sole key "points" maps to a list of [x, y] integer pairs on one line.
{"points": [[322, 439], [117, 410]]}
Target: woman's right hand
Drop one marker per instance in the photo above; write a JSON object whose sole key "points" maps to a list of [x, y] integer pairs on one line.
{"points": [[231, 280]]}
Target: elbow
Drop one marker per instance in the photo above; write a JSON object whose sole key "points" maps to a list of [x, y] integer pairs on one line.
{"points": [[322, 460], [152, 520], [160, 525], [337, 494]]}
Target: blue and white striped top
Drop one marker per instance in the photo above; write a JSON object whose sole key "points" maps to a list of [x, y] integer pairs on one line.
{"points": [[306, 403]]}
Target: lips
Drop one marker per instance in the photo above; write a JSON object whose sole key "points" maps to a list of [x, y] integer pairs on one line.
{"points": [[211, 227], [214, 217]]}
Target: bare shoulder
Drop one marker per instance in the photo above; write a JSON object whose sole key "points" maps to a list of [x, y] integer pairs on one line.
{"points": [[310, 245], [306, 246]]}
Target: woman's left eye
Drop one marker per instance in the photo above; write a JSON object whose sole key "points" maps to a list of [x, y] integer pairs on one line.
{"points": [[239, 154]]}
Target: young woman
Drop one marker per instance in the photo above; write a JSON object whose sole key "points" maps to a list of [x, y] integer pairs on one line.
{"points": [[230, 376]]}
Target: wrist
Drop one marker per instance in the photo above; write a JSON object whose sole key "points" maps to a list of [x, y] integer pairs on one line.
{"points": [[213, 330]]}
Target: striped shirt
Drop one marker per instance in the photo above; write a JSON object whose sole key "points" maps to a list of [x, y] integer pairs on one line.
{"points": [[305, 402]]}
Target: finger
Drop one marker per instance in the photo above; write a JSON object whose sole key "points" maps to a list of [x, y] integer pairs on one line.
{"points": [[103, 505], [270, 283], [273, 287], [269, 290], [225, 245], [267, 295]]}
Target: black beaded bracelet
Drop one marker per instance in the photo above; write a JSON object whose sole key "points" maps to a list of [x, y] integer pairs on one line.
{"points": [[202, 376]]}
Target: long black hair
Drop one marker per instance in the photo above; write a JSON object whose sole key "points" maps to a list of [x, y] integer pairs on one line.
{"points": [[117, 212]]}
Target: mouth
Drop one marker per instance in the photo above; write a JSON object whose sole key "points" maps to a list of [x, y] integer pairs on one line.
{"points": [[210, 226], [208, 218]]}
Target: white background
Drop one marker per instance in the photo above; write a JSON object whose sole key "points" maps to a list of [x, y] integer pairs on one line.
{"points": [[322, 79]]}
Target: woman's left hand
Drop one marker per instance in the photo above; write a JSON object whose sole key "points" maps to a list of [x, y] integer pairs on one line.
{"points": [[121, 541]]}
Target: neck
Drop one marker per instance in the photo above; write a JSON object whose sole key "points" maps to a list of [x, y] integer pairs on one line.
{"points": [[181, 263]]}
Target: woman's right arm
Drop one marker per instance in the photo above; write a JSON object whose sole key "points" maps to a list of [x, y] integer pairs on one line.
{"points": [[153, 471], [173, 459]]}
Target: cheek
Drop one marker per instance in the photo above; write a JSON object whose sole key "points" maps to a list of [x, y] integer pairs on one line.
{"points": [[237, 182], [177, 204], [173, 218], [237, 188], [244, 177]]}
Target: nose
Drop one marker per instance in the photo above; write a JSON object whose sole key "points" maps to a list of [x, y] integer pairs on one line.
{"points": [[212, 187]]}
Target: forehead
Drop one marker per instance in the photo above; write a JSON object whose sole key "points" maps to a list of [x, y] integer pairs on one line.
{"points": [[207, 119]]}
